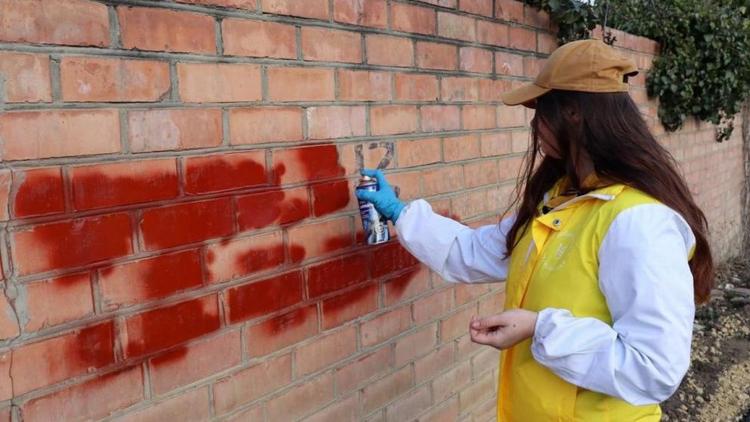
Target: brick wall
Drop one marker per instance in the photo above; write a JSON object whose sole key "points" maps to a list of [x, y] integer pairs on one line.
{"points": [[179, 235]]}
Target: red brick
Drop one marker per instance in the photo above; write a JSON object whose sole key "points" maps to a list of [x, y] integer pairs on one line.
{"points": [[439, 118], [378, 393], [6, 181], [316, 9], [282, 331], [302, 399], [72, 243], [508, 64], [466, 293], [131, 182], [479, 117], [419, 152], [408, 18], [481, 173], [260, 210], [220, 172], [94, 399], [520, 141], [241, 38], [192, 405], [414, 345], [59, 300], [411, 405], [8, 321], [532, 66], [476, 60], [330, 197], [174, 129], [311, 163], [372, 13], [364, 86], [393, 119], [391, 257], [446, 179], [58, 133], [265, 124], [244, 256], [350, 305], [478, 7], [491, 90], [546, 43], [509, 10], [166, 227], [255, 413], [307, 237], [149, 28], [461, 148], [369, 154], [479, 391], [237, 4], [521, 38], [336, 274], [437, 361], [387, 50], [66, 22], [335, 122], [537, 18], [432, 55], [6, 384], [251, 383], [511, 116], [508, 168], [343, 410], [26, 78], [263, 297], [416, 87], [325, 350], [37, 192], [356, 373], [195, 361], [451, 4], [457, 324], [169, 326], [219, 82], [406, 286], [86, 79], [53, 360], [492, 33], [149, 279], [385, 326], [451, 25], [300, 84], [331, 45], [459, 89], [453, 380]]}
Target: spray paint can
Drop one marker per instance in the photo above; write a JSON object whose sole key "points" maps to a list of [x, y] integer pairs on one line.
{"points": [[374, 224]]}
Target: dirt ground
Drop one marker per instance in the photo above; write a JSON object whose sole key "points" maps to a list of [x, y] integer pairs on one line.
{"points": [[717, 386]]}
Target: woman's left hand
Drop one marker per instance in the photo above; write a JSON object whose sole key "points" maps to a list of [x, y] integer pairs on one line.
{"points": [[503, 330]]}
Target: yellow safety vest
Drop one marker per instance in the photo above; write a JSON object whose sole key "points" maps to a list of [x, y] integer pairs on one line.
{"points": [[555, 265]]}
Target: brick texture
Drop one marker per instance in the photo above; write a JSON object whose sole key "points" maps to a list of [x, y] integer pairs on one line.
{"points": [[180, 236]]}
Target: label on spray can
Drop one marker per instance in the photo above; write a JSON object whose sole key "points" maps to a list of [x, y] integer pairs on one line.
{"points": [[374, 224]]}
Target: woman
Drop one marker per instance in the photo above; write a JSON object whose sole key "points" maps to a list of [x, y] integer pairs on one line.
{"points": [[604, 256]]}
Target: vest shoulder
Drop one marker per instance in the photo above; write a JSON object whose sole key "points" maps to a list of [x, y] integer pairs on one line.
{"points": [[629, 197]]}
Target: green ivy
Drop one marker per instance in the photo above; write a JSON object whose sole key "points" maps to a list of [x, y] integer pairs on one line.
{"points": [[703, 69]]}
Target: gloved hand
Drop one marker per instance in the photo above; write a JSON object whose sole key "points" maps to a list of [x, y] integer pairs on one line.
{"points": [[384, 199]]}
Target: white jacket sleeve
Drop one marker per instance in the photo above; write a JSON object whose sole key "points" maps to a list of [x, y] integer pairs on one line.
{"points": [[456, 252], [644, 275]]}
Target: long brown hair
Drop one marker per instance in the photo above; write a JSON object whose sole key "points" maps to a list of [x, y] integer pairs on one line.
{"points": [[610, 129]]}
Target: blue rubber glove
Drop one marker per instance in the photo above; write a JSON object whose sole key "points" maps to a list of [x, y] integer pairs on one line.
{"points": [[384, 199]]}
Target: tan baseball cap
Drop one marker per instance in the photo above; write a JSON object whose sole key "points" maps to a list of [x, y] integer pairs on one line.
{"points": [[585, 65]]}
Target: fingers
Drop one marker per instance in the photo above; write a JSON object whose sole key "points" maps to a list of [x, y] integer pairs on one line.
{"points": [[366, 195], [377, 174], [490, 322]]}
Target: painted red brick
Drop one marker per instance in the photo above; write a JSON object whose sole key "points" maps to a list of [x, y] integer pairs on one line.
{"points": [[300, 84], [244, 256], [282, 331], [406, 286], [87, 79], [162, 328], [372, 13], [53, 360], [241, 38], [195, 361], [307, 238], [94, 399], [331, 197], [409, 18], [316, 9], [336, 274], [38, 192], [149, 279], [387, 50], [259, 210], [265, 124], [26, 77], [72, 243], [59, 300], [131, 182], [222, 172], [335, 122], [219, 82], [331, 45], [66, 22], [390, 258], [263, 297], [166, 30], [174, 129], [350, 305], [58, 133], [311, 163], [180, 224], [364, 86]]}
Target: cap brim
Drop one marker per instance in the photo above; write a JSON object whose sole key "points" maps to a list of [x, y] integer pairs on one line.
{"points": [[523, 95]]}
